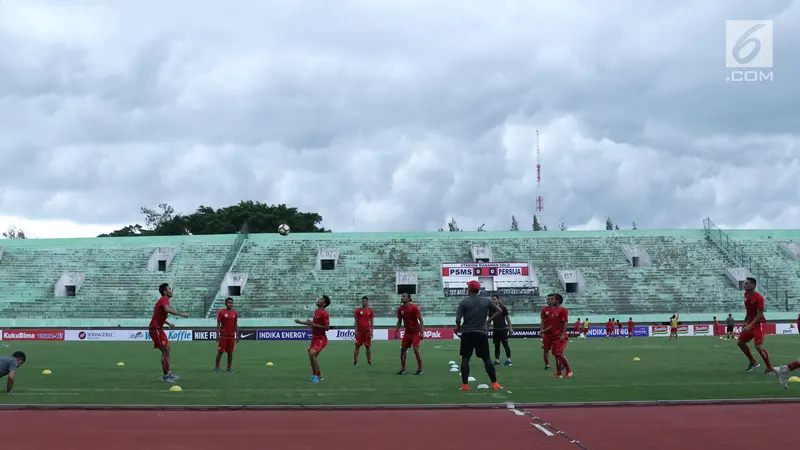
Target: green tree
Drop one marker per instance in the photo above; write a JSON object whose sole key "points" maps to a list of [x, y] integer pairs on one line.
{"points": [[14, 233], [452, 225], [514, 224], [609, 224], [260, 218], [536, 225]]}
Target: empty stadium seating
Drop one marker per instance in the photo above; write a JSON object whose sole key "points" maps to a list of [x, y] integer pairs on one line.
{"points": [[117, 281], [687, 273]]}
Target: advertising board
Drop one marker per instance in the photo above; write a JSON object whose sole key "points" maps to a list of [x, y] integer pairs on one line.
{"points": [[350, 335], [33, 335], [434, 334]]}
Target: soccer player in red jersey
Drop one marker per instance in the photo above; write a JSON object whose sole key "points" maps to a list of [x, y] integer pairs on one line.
{"points": [[558, 324], [160, 313], [227, 333], [716, 326], [630, 327], [410, 317], [619, 329], [547, 338], [364, 324], [753, 321], [577, 328], [319, 338], [609, 328]]}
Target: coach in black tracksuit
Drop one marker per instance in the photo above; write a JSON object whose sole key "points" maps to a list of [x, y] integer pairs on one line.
{"points": [[501, 329]]}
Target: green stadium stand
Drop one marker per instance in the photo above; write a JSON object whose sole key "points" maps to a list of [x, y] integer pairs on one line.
{"points": [[117, 281], [282, 277]]}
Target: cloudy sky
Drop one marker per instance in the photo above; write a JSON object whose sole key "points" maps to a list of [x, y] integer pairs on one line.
{"points": [[395, 116]]}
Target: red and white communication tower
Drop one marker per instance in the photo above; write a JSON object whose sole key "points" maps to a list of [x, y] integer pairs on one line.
{"points": [[539, 200]]}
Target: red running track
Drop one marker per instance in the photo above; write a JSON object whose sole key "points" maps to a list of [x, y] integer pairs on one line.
{"points": [[282, 430], [708, 427]]}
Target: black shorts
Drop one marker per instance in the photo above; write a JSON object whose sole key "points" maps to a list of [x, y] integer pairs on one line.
{"points": [[499, 336], [477, 342], [730, 328]]}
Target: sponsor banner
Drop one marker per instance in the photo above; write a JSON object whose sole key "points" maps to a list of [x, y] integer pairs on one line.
{"points": [[524, 333], [350, 335], [283, 335], [501, 291], [211, 335], [768, 328], [702, 330], [172, 335], [663, 330], [33, 335], [100, 335], [785, 328], [434, 334], [600, 332]]}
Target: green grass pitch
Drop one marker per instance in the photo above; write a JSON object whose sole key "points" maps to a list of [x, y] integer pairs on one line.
{"points": [[690, 368]]}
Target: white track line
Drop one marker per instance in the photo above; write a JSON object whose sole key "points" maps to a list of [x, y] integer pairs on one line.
{"points": [[542, 429]]}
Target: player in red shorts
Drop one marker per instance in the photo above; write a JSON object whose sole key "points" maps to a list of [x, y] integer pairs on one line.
{"points": [[227, 333], [547, 338], [558, 328], [609, 328], [716, 326], [577, 328], [364, 324], [753, 321], [160, 313], [410, 317], [630, 327], [319, 338]]}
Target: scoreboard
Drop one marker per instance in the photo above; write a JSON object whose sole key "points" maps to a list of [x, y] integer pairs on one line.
{"points": [[490, 269], [507, 278]]}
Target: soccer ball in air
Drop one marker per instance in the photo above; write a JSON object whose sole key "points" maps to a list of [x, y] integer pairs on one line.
{"points": [[284, 229]]}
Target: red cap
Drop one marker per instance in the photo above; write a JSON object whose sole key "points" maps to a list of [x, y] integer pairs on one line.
{"points": [[474, 285]]}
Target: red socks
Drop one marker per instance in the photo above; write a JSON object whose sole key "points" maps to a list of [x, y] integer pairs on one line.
{"points": [[765, 357], [563, 361], [165, 364], [403, 359], [546, 359], [419, 360], [794, 365]]}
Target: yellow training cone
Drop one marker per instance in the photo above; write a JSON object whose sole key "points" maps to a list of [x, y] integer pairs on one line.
{"points": [[794, 379], [175, 389], [269, 364], [46, 372], [636, 359], [120, 363]]}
